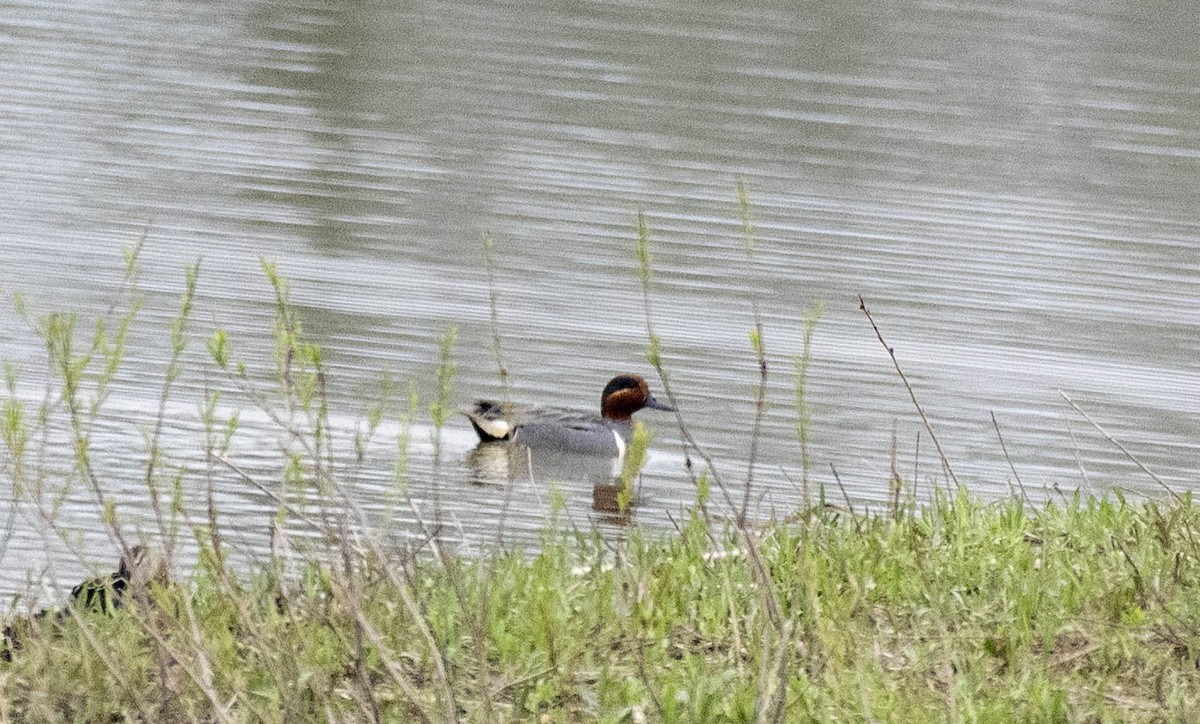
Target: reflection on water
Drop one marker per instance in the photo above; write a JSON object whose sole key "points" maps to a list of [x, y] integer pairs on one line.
{"points": [[500, 463], [1011, 186], [503, 463]]}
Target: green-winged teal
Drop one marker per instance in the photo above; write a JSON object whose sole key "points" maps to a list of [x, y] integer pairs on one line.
{"points": [[569, 430]]}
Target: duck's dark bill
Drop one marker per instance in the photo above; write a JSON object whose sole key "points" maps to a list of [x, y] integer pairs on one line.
{"points": [[654, 404]]}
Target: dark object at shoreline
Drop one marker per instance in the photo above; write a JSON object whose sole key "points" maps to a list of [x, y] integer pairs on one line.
{"points": [[138, 567]]}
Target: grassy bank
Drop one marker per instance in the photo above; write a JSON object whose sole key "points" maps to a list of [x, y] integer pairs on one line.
{"points": [[966, 611], [1085, 610]]}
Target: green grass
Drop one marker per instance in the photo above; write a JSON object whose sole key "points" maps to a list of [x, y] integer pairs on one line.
{"points": [[967, 611]]}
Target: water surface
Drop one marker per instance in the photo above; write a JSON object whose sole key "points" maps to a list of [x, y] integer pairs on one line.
{"points": [[1011, 186]]}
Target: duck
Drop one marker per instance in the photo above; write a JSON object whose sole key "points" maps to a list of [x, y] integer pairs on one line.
{"points": [[568, 430], [137, 568]]}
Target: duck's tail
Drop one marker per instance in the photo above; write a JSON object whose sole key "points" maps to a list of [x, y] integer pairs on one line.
{"points": [[489, 420]]}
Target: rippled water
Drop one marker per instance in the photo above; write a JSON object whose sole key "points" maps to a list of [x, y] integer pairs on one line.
{"points": [[1011, 186]]}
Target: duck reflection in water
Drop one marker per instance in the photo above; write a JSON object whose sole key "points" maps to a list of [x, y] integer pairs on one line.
{"points": [[502, 463]]}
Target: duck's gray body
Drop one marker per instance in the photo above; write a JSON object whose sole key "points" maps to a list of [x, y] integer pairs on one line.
{"points": [[568, 430], [555, 428]]}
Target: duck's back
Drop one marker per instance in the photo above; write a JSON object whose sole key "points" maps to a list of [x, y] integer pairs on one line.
{"points": [[570, 430]]}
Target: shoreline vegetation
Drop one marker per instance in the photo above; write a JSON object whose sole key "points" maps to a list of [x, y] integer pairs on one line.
{"points": [[1083, 609], [962, 611]]}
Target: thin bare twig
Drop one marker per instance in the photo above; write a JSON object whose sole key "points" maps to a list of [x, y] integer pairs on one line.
{"points": [[773, 683], [895, 483], [1011, 467], [203, 678], [689, 443], [493, 305], [292, 510], [1121, 447], [1075, 449], [522, 680], [393, 669], [845, 496], [916, 469], [757, 342], [100, 651], [862, 305], [760, 408]]}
